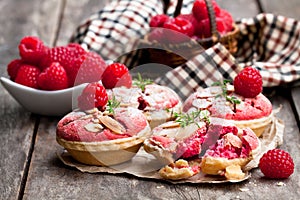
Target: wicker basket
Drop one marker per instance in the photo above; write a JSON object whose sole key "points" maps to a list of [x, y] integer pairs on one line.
{"points": [[176, 54]]}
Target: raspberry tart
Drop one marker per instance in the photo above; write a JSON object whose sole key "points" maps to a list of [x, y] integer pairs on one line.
{"points": [[98, 138], [222, 148], [223, 102], [157, 102]]}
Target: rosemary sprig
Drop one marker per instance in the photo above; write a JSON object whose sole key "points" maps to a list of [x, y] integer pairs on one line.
{"points": [[112, 104], [185, 119], [141, 83], [223, 85]]}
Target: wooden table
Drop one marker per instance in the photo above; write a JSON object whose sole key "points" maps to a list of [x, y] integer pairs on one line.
{"points": [[29, 166]]}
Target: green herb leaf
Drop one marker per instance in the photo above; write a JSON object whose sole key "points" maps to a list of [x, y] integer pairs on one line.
{"points": [[112, 104], [185, 119], [141, 83], [232, 99]]}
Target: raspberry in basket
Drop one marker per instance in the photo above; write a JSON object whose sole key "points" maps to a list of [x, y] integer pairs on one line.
{"points": [[276, 163], [158, 20], [248, 82]]}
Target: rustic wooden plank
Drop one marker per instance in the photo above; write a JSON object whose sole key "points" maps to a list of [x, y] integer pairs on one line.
{"points": [[17, 125], [295, 92], [289, 8], [50, 179]]}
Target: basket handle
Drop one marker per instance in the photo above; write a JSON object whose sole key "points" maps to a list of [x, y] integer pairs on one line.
{"points": [[211, 14]]}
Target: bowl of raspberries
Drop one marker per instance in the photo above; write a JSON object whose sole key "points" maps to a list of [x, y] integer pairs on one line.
{"points": [[45, 80]]}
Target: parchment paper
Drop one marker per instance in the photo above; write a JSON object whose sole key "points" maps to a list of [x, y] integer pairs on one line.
{"points": [[145, 165]]}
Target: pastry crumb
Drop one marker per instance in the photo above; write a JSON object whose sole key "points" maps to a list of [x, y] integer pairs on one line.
{"points": [[280, 184], [244, 189]]}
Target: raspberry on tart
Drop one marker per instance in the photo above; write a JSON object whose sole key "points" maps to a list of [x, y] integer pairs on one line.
{"points": [[101, 138], [223, 102], [157, 102], [116, 75], [248, 83], [93, 95]]}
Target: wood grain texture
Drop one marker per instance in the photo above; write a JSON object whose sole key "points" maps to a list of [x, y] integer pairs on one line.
{"points": [[17, 125], [54, 21]]}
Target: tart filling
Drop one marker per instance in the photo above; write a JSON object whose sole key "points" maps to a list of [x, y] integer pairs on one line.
{"points": [[157, 102], [223, 148]]}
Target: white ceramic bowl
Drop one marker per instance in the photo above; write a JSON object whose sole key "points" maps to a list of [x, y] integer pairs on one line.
{"points": [[49, 103]]}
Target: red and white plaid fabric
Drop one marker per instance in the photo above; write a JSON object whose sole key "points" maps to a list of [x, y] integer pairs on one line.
{"points": [[110, 31], [267, 42]]}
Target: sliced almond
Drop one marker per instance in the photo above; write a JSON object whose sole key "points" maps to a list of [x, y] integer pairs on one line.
{"points": [[95, 128], [92, 111], [112, 124], [201, 103], [86, 117], [170, 125], [233, 140], [96, 120]]}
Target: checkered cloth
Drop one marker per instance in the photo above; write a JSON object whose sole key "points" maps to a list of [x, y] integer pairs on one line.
{"points": [[267, 42], [112, 31]]}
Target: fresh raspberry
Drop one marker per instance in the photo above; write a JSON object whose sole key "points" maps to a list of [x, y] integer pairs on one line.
{"points": [[202, 29], [13, 67], [87, 68], [157, 34], [221, 26], [158, 20], [178, 25], [65, 55], [248, 82], [189, 17], [28, 75], [116, 75], [227, 19], [200, 12], [94, 95], [31, 50], [53, 78], [276, 163], [76, 48]]}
